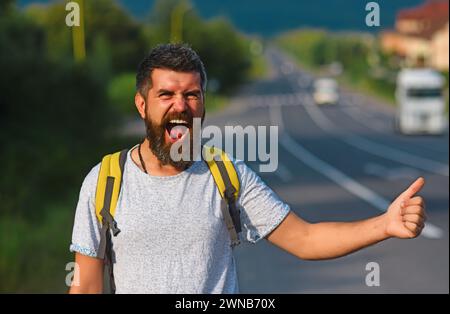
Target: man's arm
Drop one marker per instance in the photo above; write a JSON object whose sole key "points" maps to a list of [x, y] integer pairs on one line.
{"points": [[404, 218], [88, 276]]}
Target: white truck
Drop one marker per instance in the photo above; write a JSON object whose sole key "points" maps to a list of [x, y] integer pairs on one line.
{"points": [[420, 102]]}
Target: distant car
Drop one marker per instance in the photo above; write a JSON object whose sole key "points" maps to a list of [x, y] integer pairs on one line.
{"points": [[325, 91], [420, 102]]}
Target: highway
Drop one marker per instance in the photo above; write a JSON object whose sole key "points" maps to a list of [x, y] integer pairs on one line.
{"points": [[342, 163]]}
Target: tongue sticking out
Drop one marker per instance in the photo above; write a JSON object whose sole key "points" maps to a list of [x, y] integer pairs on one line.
{"points": [[178, 131]]}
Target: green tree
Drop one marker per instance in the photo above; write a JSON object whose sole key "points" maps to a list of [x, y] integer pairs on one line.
{"points": [[103, 19], [50, 112], [6, 6], [223, 50]]}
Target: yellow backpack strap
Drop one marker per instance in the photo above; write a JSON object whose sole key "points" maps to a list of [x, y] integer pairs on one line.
{"points": [[106, 196], [101, 186], [108, 188], [227, 182]]}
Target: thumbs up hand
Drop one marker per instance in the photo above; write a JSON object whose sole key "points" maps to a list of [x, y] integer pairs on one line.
{"points": [[405, 217]]}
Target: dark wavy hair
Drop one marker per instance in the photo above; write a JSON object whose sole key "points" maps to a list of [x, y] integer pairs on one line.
{"points": [[176, 57]]}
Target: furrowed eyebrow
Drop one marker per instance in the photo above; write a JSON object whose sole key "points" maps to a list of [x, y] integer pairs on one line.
{"points": [[165, 91], [195, 92]]}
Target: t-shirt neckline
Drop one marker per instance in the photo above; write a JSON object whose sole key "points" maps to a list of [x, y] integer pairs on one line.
{"points": [[136, 168]]}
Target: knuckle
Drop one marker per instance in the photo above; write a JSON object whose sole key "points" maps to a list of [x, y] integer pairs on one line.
{"points": [[421, 200]]}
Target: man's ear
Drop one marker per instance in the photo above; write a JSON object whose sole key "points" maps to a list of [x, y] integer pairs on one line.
{"points": [[204, 107], [139, 101]]}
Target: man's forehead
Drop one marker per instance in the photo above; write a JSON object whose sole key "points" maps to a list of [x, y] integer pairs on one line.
{"points": [[165, 78]]}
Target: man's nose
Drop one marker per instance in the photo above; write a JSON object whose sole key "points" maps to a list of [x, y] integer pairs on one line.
{"points": [[180, 104]]}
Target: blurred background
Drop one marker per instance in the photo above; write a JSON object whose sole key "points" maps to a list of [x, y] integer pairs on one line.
{"points": [[361, 103]]}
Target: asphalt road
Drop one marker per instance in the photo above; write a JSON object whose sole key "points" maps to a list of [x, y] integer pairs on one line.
{"points": [[342, 163]]}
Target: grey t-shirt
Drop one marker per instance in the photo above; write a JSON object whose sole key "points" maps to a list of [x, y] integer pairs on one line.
{"points": [[173, 238]]}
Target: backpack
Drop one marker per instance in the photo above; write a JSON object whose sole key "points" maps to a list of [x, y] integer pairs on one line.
{"points": [[108, 188]]}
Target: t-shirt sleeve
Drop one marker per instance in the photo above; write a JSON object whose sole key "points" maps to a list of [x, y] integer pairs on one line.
{"points": [[261, 208], [86, 228]]}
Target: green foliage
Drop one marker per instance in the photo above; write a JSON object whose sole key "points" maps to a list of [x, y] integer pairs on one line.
{"points": [[34, 255], [259, 68], [224, 51], [103, 19], [58, 37], [50, 114], [6, 6], [316, 49], [121, 91], [124, 35], [215, 102], [55, 125], [60, 117], [303, 44]]}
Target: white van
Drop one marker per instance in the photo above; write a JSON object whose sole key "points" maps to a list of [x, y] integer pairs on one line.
{"points": [[420, 102], [326, 91]]}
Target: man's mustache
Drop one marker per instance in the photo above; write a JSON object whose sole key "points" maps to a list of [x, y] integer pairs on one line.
{"points": [[178, 116]]}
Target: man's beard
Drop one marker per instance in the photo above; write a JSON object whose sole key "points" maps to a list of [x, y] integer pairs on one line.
{"points": [[156, 135]]}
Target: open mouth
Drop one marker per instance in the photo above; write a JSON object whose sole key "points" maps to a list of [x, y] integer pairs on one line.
{"points": [[176, 129]]}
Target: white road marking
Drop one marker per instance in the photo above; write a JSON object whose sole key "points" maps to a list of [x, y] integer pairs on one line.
{"points": [[283, 173], [379, 125], [359, 116], [391, 174], [376, 149], [361, 143], [430, 231], [397, 155]]}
